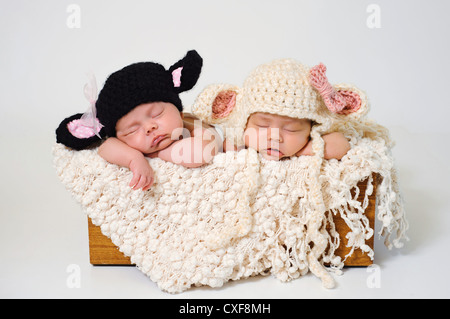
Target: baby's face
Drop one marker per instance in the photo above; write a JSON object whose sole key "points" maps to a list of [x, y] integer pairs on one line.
{"points": [[148, 127], [276, 136]]}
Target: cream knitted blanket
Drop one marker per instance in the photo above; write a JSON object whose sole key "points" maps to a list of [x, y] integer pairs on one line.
{"points": [[239, 216]]}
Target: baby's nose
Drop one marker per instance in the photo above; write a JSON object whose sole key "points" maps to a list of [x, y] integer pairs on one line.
{"points": [[150, 127], [274, 134]]}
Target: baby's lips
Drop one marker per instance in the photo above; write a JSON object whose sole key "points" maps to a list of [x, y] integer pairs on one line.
{"points": [[274, 152], [157, 139]]}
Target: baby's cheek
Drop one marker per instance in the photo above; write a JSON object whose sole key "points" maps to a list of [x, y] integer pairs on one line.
{"points": [[302, 142], [136, 142]]}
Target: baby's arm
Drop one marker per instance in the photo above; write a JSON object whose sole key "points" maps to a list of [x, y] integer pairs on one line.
{"points": [[193, 151], [119, 153], [336, 146]]}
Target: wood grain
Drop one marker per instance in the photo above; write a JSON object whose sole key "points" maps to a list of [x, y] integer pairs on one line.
{"points": [[101, 249], [103, 252], [358, 258]]}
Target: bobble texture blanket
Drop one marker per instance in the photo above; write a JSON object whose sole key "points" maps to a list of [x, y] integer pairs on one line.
{"points": [[241, 215]]}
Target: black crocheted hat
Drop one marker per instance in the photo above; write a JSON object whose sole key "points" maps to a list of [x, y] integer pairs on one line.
{"points": [[135, 84]]}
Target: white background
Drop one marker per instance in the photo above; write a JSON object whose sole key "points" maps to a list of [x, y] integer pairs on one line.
{"points": [[403, 66]]}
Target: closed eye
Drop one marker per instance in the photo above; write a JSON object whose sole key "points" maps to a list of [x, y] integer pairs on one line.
{"points": [[132, 131], [156, 111], [291, 130], [158, 114], [262, 125]]}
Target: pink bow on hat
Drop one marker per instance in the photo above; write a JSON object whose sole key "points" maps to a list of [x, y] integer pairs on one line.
{"points": [[337, 101], [88, 125]]}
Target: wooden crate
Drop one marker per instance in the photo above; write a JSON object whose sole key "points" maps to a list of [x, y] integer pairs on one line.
{"points": [[103, 252], [358, 258], [101, 249]]}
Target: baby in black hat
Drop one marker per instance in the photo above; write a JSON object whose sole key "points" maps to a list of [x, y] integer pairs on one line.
{"points": [[140, 113]]}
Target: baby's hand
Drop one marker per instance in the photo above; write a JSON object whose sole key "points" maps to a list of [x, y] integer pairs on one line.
{"points": [[142, 174]]}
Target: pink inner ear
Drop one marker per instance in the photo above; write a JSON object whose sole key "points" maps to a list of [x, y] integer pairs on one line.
{"points": [[84, 129], [176, 77], [352, 102], [341, 101], [223, 104]]}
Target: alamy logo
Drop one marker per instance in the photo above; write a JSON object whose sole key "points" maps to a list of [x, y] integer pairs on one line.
{"points": [[374, 279], [74, 278], [74, 18], [374, 19]]}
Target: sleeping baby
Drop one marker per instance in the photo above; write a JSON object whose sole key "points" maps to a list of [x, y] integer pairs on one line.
{"points": [[140, 113], [284, 109], [277, 137]]}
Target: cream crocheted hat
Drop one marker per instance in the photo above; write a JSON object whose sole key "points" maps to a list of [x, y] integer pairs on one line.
{"points": [[284, 87]]}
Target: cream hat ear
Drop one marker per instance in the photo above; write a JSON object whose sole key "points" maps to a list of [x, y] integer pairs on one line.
{"points": [[343, 100], [217, 103], [356, 98], [223, 104]]}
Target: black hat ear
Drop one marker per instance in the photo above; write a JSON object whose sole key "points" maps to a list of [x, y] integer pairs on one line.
{"points": [[64, 136], [186, 72]]}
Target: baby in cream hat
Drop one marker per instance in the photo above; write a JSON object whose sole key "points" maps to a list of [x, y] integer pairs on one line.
{"points": [[284, 109]]}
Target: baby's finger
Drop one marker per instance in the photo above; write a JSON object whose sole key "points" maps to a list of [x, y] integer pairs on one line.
{"points": [[142, 182], [136, 185], [149, 184], [134, 180]]}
